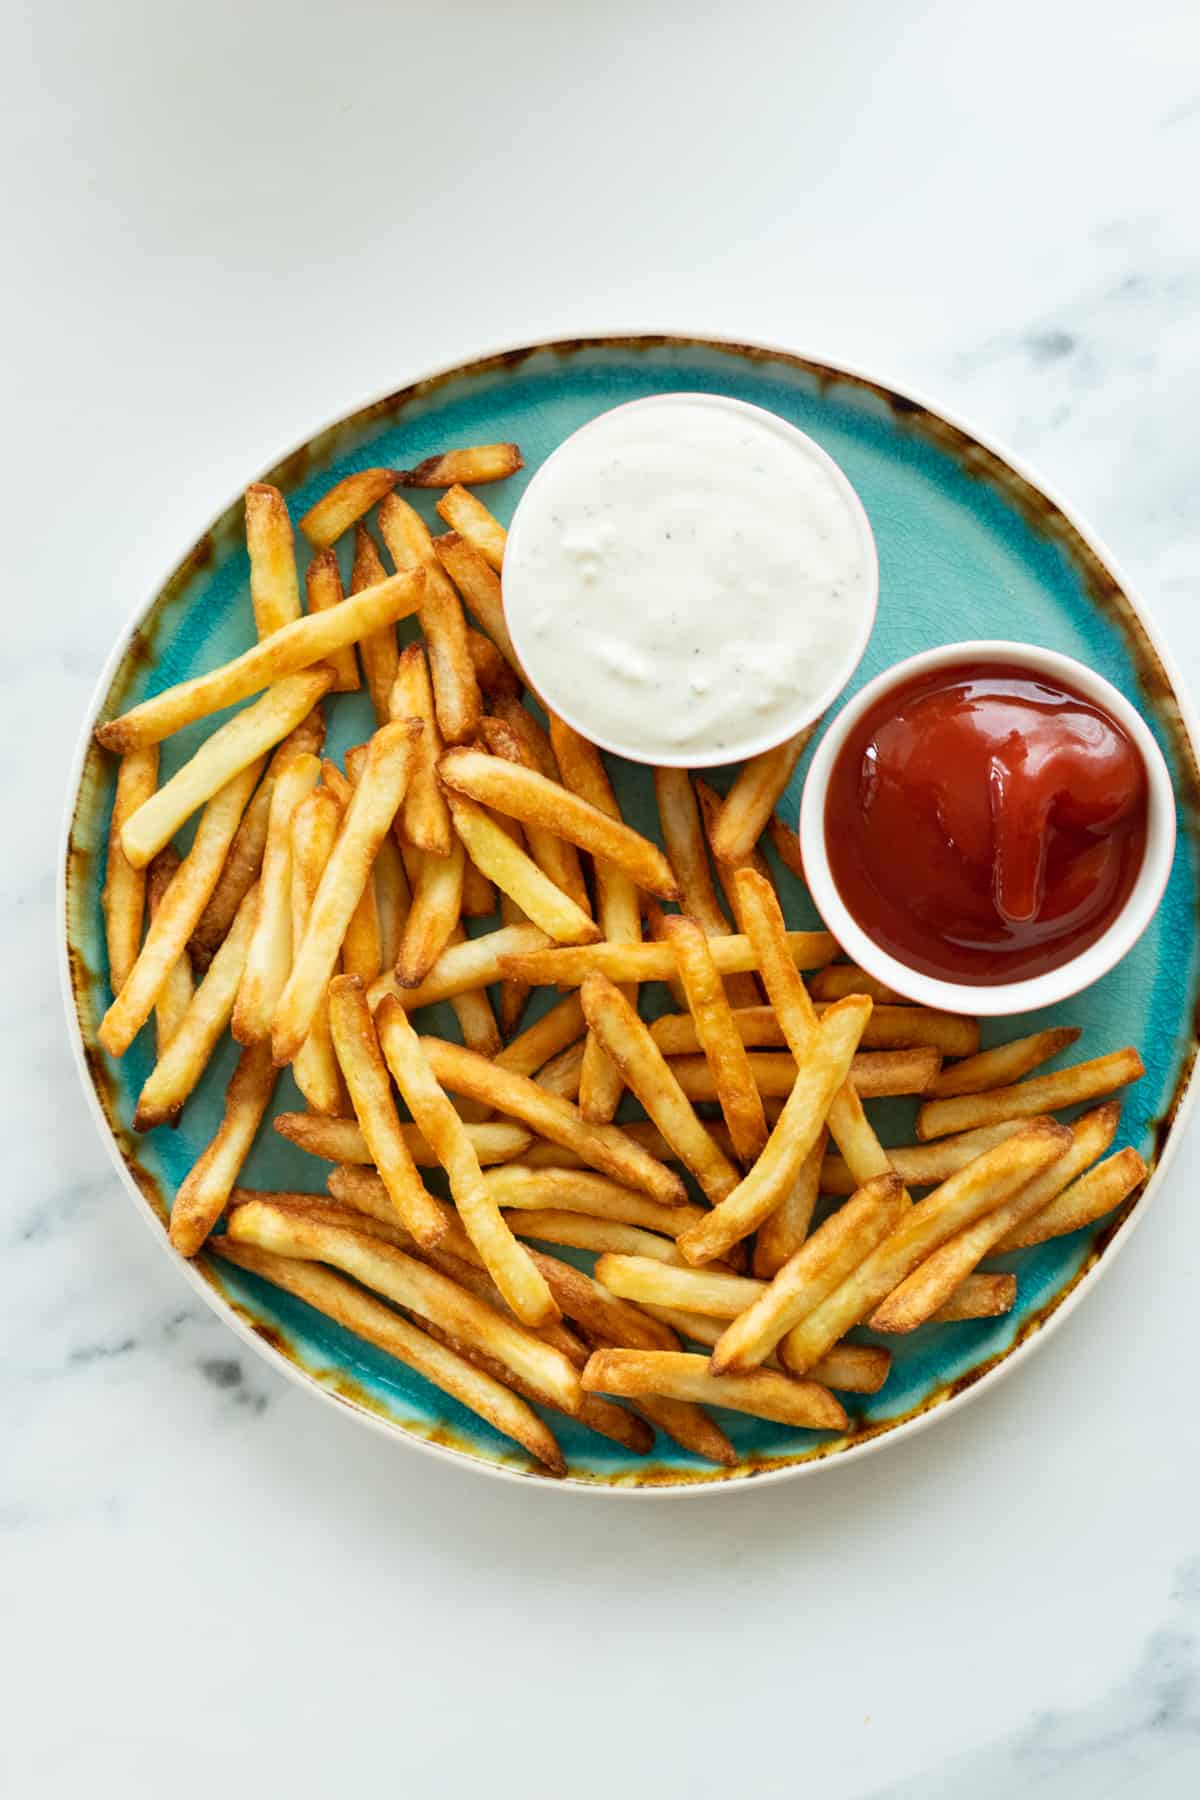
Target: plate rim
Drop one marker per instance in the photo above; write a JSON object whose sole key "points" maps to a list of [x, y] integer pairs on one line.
{"points": [[733, 1481]]}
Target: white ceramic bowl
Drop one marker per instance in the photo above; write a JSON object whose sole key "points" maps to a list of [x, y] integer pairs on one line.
{"points": [[1079, 971], [569, 701]]}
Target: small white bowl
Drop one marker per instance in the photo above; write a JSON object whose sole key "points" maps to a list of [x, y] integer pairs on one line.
{"points": [[570, 702], [1079, 971]]}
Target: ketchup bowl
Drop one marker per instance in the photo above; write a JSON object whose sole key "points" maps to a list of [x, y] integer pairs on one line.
{"points": [[1039, 835]]}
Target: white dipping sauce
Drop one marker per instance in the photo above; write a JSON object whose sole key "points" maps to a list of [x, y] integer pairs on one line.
{"points": [[689, 579]]}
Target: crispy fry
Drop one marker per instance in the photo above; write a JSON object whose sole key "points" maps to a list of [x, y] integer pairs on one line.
{"points": [[922, 1165], [526, 795], [455, 688], [1086, 1200], [479, 896], [437, 888], [580, 1191], [477, 463], [176, 993], [678, 1375], [341, 1140], [782, 1232], [686, 842], [1042, 1093], [426, 817], [840, 979], [818, 1079], [378, 650], [345, 504], [561, 1074], [362, 945], [462, 967], [978, 1189], [124, 897], [315, 824], [493, 851], [818, 1267], [854, 1368], [274, 589], [479, 586], [496, 680], [356, 1311], [1005, 1064], [269, 959], [786, 845], [979, 1297], [873, 1074], [652, 1280], [751, 800], [181, 907], [580, 1232], [392, 901], [201, 1198], [297, 646], [722, 1046], [690, 1427], [369, 816], [569, 967], [467, 516], [555, 1031], [517, 737], [602, 1147], [888, 1028], [323, 586]]}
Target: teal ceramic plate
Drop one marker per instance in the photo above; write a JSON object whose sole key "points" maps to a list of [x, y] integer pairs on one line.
{"points": [[969, 547]]}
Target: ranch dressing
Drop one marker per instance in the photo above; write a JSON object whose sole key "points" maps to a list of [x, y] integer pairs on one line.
{"points": [[689, 579]]}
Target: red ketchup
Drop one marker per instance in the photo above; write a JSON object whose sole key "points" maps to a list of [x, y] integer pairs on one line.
{"points": [[985, 825]]}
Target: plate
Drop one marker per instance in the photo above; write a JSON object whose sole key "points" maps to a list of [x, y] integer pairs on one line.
{"points": [[969, 546]]}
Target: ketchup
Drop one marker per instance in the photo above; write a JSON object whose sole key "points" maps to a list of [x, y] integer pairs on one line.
{"points": [[984, 824]]}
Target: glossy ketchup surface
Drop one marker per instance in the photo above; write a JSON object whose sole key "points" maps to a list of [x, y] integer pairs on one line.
{"points": [[983, 824]]}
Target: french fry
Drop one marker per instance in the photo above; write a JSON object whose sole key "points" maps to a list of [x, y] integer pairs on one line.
{"points": [[602, 1147], [561, 1075], [888, 1028], [363, 1065], [526, 795], [507, 1262], [341, 789], [654, 1281], [569, 967], [686, 841], [124, 897], [362, 945], [646, 1073], [978, 1189], [392, 901], [723, 1049], [455, 688], [840, 979], [359, 1312], [656, 928], [176, 993], [1003, 1065], [786, 845], [274, 589], [818, 1079], [478, 896], [814, 1272], [466, 515], [979, 1297], [515, 735], [1086, 1200], [378, 650], [323, 587], [465, 965], [751, 800], [920, 1295], [922, 1165], [207, 1186], [496, 680], [369, 816], [476, 464], [690, 1427], [783, 1231], [579, 1232], [678, 1375], [181, 907], [416, 1287], [426, 816], [479, 585], [269, 958], [555, 1031], [437, 888], [297, 646], [1041, 1093], [345, 504], [493, 851], [874, 1074], [521, 1188], [341, 1140], [315, 824], [854, 1368]]}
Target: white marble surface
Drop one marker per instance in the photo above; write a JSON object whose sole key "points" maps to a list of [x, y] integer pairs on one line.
{"points": [[227, 223]]}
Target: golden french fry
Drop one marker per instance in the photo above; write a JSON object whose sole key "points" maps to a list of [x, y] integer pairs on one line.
{"points": [[368, 818], [888, 1028], [416, 1287], [323, 587], [437, 891], [723, 1049], [690, 1427], [517, 737], [786, 845], [358, 1312], [1086, 1200], [341, 1140], [297, 646], [506, 1261], [561, 1075], [341, 789], [782, 1232], [656, 928], [580, 1232], [751, 800], [465, 965], [269, 958], [377, 650], [274, 589], [840, 979], [979, 1297], [124, 897], [678, 1375], [555, 1031], [525, 1189], [175, 995], [874, 1074], [652, 1280], [426, 817], [603, 1147], [315, 824], [570, 966], [1003, 1065], [455, 688], [477, 463], [978, 1189], [392, 901], [478, 896], [922, 1165], [479, 585], [496, 680], [181, 907], [818, 1267], [494, 853], [469, 518], [818, 1079], [526, 795], [362, 945], [854, 1368], [686, 842], [207, 1186], [645, 1072], [1041, 1093], [345, 504]]}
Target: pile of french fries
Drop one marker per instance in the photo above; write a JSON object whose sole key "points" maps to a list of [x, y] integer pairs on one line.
{"points": [[320, 907]]}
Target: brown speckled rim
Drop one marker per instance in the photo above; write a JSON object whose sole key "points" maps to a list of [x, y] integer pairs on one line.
{"points": [[1110, 593]]}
